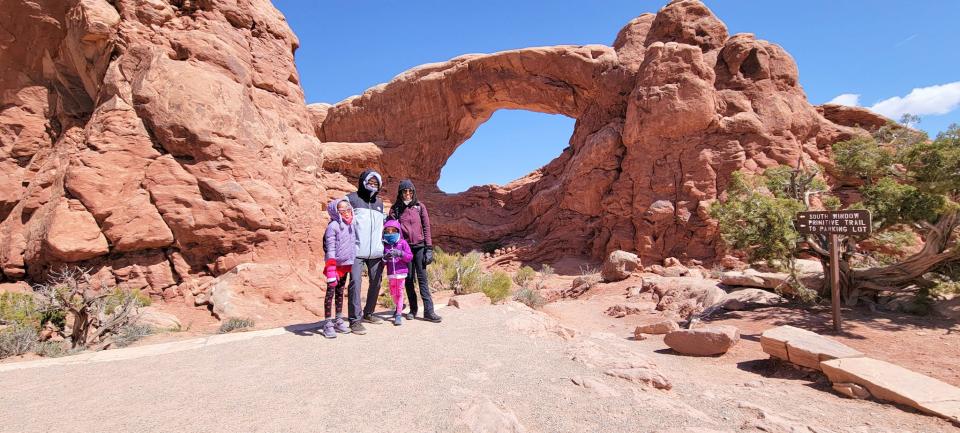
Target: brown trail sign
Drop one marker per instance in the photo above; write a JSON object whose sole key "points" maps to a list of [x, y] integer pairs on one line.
{"points": [[833, 223]]}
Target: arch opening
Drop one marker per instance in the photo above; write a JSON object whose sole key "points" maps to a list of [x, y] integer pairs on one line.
{"points": [[508, 146]]}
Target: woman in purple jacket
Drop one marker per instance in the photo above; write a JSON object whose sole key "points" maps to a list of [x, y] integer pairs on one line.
{"points": [[414, 223]]}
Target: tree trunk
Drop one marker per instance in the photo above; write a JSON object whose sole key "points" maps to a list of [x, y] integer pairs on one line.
{"points": [[898, 276]]}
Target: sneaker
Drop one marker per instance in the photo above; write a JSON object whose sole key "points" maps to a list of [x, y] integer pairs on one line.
{"points": [[341, 326], [370, 318], [432, 317], [397, 320], [409, 316], [328, 329], [357, 328]]}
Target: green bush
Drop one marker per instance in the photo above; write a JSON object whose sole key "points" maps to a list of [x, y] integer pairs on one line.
{"points": [[524, 276], [17, 339], [496, 286], [51, 349], [461, 273], [20, 308], [530, 298], [235, 324]]}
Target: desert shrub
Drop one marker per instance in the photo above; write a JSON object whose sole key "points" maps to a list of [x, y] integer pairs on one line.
{"points": [[460, 273], [546, 271], [96, 314], [496, 286], [19, 308], [524, 276], [17, 339], [235, 324], [50, 349], [530, 298], [385, 299], [130, 333]]}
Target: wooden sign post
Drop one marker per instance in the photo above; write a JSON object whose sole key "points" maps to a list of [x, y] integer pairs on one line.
{"points": [[833, 224]]}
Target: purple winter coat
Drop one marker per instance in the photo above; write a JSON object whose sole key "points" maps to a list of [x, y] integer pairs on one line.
{"points": [[340, 239], [415, 224], [396, 265]]}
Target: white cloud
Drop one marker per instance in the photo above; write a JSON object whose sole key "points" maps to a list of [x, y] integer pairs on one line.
{"points": [[937, 99], [848, 99]]}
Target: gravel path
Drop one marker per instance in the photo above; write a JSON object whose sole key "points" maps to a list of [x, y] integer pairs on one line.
{"points": [[475, 372]]}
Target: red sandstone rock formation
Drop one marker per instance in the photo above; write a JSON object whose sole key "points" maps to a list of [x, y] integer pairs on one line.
{"points": [[663, 118], [162, 143]]}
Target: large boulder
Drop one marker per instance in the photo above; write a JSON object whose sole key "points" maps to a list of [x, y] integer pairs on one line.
{"points": [[802, 347], [750, 298], [705, 341], [619, 266], [472, 300]]}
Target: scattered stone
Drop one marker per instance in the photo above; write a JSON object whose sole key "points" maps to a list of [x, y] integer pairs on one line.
{"points": [[889, 382], [851, 390], [657, 328], [619, 266], [471, 300], [706, 341], [639, 336], [620, 311], [750, 298], [802, 347]]}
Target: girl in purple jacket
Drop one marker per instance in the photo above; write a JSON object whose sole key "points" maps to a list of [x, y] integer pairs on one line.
{"points": [[396, 256], [340, 249]]}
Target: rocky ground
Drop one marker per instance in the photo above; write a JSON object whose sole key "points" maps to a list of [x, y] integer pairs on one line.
{"points": [[484, 369]]}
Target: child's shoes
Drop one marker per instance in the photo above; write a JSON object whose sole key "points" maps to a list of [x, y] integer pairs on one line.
{"points": [[397, 320], [341, 326], [328, 330]]}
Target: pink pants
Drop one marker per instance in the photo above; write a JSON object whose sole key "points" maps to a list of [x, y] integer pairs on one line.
{"points": [[396, 291]]}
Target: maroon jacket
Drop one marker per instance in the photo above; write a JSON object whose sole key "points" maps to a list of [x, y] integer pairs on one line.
{"points": [[414, 224]]}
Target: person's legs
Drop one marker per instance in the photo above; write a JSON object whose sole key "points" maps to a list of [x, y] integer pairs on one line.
{"points": [[328, 302], [409, 282], [421, 270], [396, 292], [339, 325], [375, 269], [354, 313]]}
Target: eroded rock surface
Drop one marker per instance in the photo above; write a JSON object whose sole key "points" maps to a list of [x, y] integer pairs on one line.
{"points": [[163, 143]]}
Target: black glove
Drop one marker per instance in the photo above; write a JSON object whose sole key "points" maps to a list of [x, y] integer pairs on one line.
{"points": [[428, 255]]}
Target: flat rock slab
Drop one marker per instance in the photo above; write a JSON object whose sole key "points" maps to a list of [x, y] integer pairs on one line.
{"points": [[890, 382], [802, 347], [706, 341]]}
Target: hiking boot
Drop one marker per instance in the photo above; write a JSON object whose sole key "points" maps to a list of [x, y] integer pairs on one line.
{"points": [[328, 329], [341, 326], [357, 328], [409, 316], [397, 320], [370, 318], [432, 317]]}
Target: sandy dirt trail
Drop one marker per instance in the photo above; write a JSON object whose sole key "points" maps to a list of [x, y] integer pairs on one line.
{"points": [[478, 371]]}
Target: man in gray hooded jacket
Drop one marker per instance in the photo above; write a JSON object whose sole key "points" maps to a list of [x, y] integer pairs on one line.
{"points": [[368, 220]]}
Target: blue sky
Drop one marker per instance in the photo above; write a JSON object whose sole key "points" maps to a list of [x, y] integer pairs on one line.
{"points": [[873, 53]]}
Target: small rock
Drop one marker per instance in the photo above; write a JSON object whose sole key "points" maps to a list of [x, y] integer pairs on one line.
{"points": [[639, 336], [657, 328], [157, 319], [15, 287], [621, 310], [643, 376], [749, 298], [706, 341], [619, 266], [851, 390], [471, 300]]}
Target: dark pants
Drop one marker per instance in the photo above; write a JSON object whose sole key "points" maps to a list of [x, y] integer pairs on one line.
{"points": [[375, 271], [418, 270], [335, 293]]}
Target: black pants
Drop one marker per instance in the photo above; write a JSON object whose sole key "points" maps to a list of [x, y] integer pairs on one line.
{"points": [[335, 294], [375, 271], [418, 270]]}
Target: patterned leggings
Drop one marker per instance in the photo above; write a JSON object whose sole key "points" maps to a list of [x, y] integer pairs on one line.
{"points": [[335, 294]]}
